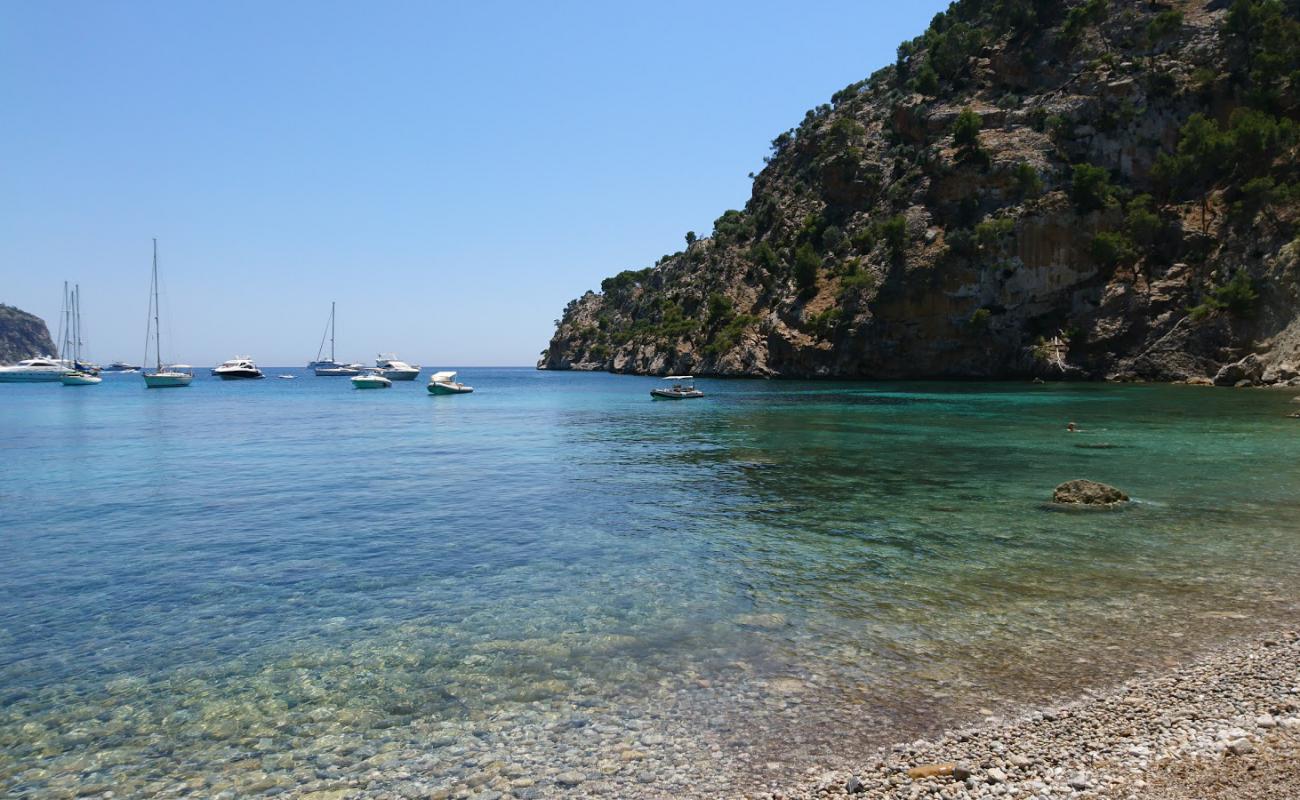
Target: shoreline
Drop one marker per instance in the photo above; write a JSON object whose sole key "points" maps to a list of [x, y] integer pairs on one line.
{"points": [[1223, 725]]}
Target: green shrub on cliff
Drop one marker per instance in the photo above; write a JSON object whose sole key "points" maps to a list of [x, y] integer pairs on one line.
{"points": [[1142, 223], [1237, 297], [764, 256], [1028, 183], [1090, 190], [1112, 249], [966, 137], [806, 265]]}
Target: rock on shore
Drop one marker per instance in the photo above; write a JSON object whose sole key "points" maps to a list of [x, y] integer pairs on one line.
{"points": [[1226, 726]]}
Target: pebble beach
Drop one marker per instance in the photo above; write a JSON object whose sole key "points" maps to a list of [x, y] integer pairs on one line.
{"points": [[1226, 725]]}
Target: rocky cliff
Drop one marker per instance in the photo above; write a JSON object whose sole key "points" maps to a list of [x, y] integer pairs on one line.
{"points": [[22, 335], [1067, 188]]}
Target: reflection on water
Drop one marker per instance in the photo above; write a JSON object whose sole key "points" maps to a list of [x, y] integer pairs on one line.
{"points": [[288, 586]]}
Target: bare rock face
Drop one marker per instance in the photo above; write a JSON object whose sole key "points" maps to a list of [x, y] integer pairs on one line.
{"points": [[992, 206], [1247, 372], [23, 335], [1088, 493]]}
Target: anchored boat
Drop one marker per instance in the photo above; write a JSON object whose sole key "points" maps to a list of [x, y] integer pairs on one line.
{"points": [[329, 368], [681, 387], [393, 369], [175, 375], [445, 383], [238, 368], [81, 374], [372, 378]]}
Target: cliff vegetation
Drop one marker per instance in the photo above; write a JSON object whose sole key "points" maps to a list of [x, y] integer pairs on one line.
{"points": [[1067, 188]]}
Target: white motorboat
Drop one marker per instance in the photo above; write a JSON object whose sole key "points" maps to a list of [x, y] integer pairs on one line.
{"points": [[31, 370], [681, 387], [445, 383], [172, 376], [286, 377], [121, 366], [238, 368], [78, 378], [371, 379], [328, 367], [395, 370]]}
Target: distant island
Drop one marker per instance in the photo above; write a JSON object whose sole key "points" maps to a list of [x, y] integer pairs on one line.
{"points": [[23, 335], [1034, 188]]}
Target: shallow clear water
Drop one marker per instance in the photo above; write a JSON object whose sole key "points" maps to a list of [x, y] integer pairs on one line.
{"points": [[294, 586]]}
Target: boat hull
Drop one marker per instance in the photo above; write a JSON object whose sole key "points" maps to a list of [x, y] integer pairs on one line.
{"points": [[238, 374], [400, 374], [670, 394], [370, 383], [31, 376], [80, 379], [336, 372], [166, 380], [447, 388]]}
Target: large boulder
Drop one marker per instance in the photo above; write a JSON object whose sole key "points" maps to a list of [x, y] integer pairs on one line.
{"points": [[1247, 372], [1088, 493]]}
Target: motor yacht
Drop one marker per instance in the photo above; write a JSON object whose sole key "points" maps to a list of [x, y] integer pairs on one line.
{"points": [[445, 383], [239, 367], [395, 370], [30, 370], [121, 366]]}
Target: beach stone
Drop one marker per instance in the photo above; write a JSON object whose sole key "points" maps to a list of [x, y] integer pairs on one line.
{"points": [[1240, 747], [854, 786], [1086, 492], [569, 778], [961, 772], [996, 775], [1079, 782], [930, 771]]}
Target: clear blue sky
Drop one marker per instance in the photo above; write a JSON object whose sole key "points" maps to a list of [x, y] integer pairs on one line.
{"points": [[451, 174]]}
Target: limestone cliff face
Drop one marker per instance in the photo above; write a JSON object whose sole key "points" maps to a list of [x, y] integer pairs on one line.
{"points": [[1076, 188], [22, 335]]}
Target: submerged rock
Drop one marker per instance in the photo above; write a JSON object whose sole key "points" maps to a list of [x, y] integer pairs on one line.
{"points": [[1086, 492]]}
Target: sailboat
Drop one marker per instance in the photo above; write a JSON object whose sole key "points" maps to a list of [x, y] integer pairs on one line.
{"points": [[159, 378], [81, 374], [328, 368]]}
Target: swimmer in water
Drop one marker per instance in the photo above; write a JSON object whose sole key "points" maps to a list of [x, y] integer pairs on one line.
{"points": [[1072, 428]]}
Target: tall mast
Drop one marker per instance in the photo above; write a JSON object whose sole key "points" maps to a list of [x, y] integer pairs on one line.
{"points": [[331, 331], [157, 342], [63, 325], [80, 340], [76, 304]]}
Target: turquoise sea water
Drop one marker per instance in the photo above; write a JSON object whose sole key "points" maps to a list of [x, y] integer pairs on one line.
{"points": [[293, 587]]}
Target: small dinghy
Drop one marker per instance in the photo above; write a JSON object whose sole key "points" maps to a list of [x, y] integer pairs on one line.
{"points": [[681, 387], [445, 383], [371, 379]]}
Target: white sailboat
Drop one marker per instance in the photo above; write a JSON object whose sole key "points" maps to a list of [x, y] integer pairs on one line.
{"points": [[82, 374], [330, 368], [160, 378]]}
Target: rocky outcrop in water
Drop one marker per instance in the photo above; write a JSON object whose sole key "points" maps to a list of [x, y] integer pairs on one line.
{"points": [[1061, 188], [1088, 493], [22, 335]]}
